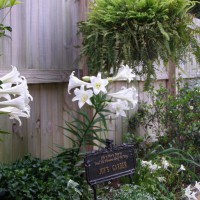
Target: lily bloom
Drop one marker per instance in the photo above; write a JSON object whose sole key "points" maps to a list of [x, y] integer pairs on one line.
{"points": [[129, 95], [19, 89], [82, 96], [12, 77], [74, 82], [118, 107], [124, 73], [14, 90], [98, 84], [20, 102], [15, 113]]}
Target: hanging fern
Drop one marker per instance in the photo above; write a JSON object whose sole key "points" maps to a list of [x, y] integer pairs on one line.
{"points": [[195, 10], [138, 33]]}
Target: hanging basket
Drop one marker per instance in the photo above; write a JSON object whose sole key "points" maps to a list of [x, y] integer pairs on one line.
{"points": [[138, 33]]}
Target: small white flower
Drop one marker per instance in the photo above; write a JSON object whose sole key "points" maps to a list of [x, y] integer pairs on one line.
{"points": [[191, 107], [190, 194], [188, 190], [74, 82], [146, 163], [124, 73], [118, 107], [182, 168], [193, 196], [197, 185], [82, 96], [98, 84], [161, 179], [129, 95], [165, 163], [154, 167]]}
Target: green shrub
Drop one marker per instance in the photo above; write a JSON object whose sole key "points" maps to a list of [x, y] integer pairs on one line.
{"points": [[175, 119], [32, 178], [175, 122]]}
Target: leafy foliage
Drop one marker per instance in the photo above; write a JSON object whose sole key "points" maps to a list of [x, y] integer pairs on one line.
{"points": [[196, 9], [4, 4], [32, 178], [137, 33], [132, 192], [175, 122], [8, 3], [86, 129], [175, 117]]}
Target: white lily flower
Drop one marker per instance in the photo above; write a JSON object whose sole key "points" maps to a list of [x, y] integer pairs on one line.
{"points": [[129, 95], [124, 73], [197, 185], [20, 102], [74, 82], [16, 90], [82, 96], [15, 113], [12, 77], [118, 107], [98, 84]]}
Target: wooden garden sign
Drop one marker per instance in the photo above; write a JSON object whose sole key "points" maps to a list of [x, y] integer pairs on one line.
{"points": [[109, 163]]}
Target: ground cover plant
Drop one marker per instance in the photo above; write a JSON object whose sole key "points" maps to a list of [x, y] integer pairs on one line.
{"points": [[32, 178]]}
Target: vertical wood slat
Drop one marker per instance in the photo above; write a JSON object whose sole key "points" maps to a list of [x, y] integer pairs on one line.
{"points": [[34, 123]]}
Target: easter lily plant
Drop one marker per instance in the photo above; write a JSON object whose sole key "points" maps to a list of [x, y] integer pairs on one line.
{"points": [[92, 92], [14, 96], [95, 87]]}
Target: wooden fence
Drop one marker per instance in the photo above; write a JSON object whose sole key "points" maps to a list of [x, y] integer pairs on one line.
{"points": [[41, 46]]}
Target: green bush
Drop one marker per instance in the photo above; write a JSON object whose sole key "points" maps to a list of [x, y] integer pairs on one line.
{"points": [[32, 178], [174, 119], [172, 132]]}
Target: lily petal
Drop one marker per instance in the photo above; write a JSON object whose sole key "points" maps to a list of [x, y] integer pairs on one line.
{"points": [[74, 82]]}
